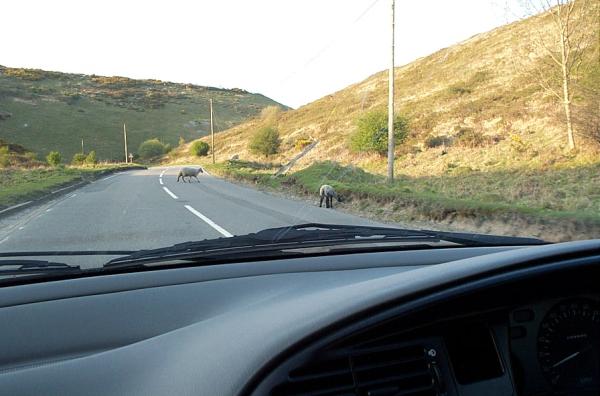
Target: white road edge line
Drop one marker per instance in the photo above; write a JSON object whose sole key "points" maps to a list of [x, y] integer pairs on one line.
{"points": [[209, 221], [162, 173], [160, 181], [4, 240], [170, 193], [106, 178]]}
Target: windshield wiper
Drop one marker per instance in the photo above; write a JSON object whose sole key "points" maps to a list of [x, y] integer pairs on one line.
{"points": [[275, 242], [27, 267]]}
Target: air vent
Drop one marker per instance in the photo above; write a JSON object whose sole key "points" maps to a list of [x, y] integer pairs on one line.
{"points": [[389, 370]]}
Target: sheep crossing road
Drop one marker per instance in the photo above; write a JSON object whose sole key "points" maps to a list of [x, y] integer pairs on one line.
{"points": [[145, 209]]}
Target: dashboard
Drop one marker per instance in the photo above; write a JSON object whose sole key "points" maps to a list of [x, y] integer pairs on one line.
{"points": [[555, 345], [455, 321]]}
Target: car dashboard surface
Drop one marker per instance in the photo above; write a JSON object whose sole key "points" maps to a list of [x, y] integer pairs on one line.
{"points": [[456, 321]]}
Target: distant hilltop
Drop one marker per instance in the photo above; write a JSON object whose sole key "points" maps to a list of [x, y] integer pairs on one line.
{"points": [[54, 111]]}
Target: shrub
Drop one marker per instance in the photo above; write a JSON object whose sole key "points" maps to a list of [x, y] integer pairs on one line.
{"points": [[91, 158], [436, 141], [265, 141], [199, 148], [151, 148], [78, 159], [468, 137], [181, 141], [458, 89], [301, 143], [270, 114], [53, 158], [372, 132], [4, 157]]}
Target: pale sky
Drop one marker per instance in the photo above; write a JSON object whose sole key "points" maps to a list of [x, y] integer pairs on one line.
{"points": [[294, 51]]}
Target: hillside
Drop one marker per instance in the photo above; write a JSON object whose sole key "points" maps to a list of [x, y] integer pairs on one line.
{"points": [[486, 148], [472, 107], [47, 111]]}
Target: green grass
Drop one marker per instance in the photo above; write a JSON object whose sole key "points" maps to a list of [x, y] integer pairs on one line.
{"points": [[564, 194], [21, 185], [54, 111]]}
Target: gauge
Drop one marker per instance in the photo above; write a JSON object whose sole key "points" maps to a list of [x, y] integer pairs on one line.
{"points": [[569, 345]]}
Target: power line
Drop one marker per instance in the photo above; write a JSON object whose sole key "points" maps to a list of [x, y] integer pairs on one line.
{"points": [[324, 49]]}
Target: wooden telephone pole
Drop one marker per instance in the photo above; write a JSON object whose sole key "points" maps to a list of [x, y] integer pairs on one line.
{"points": [[212, 133], [125, 139], [390, 164]]}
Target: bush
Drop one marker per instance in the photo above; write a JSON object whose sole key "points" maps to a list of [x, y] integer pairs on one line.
{"points": [[151, 148], [265, 141], [91, 158], [78, 159], [4, 157], [436, 141], [53, 158], [301, 143], [468, 137], [372, 132], [181, 141], [199, 148]]}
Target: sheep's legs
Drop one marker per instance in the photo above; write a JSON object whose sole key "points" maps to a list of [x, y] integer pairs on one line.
{"points": [[321, 202], [196, 177]]}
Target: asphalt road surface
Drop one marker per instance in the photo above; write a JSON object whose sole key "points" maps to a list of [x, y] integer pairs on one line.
{"points": [[146, 209]]}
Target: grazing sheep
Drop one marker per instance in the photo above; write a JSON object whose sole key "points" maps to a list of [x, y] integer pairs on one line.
{"points": [[189, 172], [328, 193]]}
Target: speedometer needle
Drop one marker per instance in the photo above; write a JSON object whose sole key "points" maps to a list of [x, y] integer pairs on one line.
{"points": [[571, 356]]}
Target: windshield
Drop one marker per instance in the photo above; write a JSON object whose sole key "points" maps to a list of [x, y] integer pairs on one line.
{"points": [[128, 126]]}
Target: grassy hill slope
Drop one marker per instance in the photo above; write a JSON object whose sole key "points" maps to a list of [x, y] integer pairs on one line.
{"points": [[474, 106], [54, 111], [485, 150]]}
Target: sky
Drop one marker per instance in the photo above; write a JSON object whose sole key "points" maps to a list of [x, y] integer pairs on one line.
{"points": [[293, 51]]}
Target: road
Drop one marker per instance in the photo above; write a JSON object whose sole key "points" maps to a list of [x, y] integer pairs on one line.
{"points": [[145, 209]]}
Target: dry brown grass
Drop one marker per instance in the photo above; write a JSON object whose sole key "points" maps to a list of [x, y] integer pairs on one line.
{"points": [[482, 84]]}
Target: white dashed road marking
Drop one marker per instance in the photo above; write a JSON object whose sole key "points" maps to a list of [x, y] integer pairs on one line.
{"points": [[170, 193], [209, 221]]}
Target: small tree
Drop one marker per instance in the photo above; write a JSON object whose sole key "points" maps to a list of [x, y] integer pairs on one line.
{"points": [[78, 159], [372, 132], [199, 148], [265, 141], [91, 158], [151, 148], [53, 158], [566, 43]]}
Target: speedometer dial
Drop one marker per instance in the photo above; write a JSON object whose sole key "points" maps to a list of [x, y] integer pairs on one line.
{"points": [[569, 345]]}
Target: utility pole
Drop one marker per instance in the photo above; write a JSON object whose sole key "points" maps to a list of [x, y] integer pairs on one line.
{"points": [[390, 164], [125, 139], [212, 133]]}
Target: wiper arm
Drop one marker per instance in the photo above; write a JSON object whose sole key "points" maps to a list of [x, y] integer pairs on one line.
{"points": [[271, 240], [25, 267], [280, 241]]}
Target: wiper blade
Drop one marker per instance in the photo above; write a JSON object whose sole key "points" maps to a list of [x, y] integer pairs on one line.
{"points": [[67, 253], [25, 267], [264, 243], [273, 239]]}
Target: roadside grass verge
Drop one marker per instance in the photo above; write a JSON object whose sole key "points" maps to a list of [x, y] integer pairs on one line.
{"points": [[19, 185], [569, 195]]}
